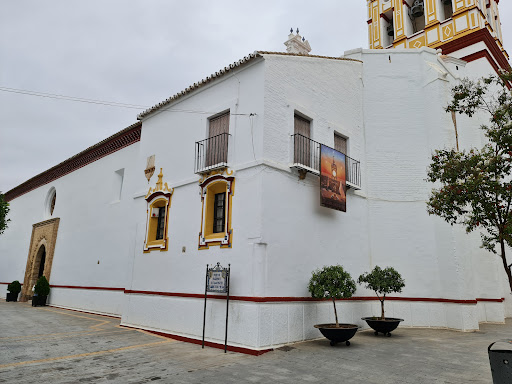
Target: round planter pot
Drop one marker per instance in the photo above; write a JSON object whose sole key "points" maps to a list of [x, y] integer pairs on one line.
{"points": [[340, 334], [384, 326]]}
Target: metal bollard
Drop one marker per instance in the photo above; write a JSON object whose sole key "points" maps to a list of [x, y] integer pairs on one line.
{"points": [[500, 358]]}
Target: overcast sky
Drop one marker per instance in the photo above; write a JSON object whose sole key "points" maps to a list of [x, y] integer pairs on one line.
{"points": [[138, 52]]}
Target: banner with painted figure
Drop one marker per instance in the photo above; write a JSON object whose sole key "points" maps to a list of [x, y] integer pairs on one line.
{"points": [[333, 185]]}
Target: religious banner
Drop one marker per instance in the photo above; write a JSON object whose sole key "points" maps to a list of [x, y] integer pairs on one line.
{"points": [[333, 186]]}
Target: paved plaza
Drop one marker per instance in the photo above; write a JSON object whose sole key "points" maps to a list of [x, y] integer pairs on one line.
{"points": [[52, 345]]}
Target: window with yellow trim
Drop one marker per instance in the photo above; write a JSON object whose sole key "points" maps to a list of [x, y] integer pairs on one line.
{"points": [[157, 228], [159, 202], [216, 196]]}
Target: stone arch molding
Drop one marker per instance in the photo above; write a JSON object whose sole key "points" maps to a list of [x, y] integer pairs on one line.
{"points": [[43, 234]]}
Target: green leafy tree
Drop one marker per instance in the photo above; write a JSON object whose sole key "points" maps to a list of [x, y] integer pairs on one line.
{"points": [[475, 186], [4, 210], [42, 287], [14, 287], [333, 283], [383, 282]]}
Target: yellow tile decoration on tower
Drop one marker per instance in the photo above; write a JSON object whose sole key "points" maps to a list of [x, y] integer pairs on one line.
{"points": [[443, 22]]}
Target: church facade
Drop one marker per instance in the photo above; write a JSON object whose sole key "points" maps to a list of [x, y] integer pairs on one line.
{"points": [[228, 171]]}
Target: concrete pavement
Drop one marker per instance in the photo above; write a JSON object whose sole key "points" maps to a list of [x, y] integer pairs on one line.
{"points": [[54, 345]]}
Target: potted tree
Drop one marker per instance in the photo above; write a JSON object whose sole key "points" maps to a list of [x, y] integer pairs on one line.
{"points": [[333, 282], [41, 292], [14, 289], [382, 282]]}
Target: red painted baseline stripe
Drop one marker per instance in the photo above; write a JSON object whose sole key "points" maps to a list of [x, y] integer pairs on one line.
{"points": [[296, 299], [491, 300], [82, 287], [277, 299]]}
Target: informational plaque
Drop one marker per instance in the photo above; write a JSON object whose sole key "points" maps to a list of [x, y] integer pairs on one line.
{"points": [[217, 281]]}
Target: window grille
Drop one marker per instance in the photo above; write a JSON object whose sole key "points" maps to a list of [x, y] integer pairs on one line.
{"points": [[219, 213], [161, 224]]}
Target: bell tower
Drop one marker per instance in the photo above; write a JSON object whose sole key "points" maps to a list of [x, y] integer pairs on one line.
{"points": [[457, 27]]}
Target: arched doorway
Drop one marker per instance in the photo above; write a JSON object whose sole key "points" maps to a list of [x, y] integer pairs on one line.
{"points": [[40, 256]]}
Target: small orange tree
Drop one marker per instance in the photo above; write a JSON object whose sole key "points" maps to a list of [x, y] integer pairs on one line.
{"points": [[382, 281], [333, 283]]}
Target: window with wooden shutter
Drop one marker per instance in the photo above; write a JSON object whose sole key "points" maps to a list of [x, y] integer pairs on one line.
{"points": [[302, 143], [217, 147], [340, 143]]}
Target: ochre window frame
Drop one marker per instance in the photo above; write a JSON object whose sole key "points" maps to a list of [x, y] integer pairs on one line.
{"points": [[209, 188], [157, 197]]}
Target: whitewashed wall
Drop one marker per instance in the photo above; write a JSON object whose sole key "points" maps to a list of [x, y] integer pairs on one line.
{"points": [[437, 260], [171, 135], [91, 247]]}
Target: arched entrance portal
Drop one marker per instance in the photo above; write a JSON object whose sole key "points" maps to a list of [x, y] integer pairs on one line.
{"points": [[40, 256]]}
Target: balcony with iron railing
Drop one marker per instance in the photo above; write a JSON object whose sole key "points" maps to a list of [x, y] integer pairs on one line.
{"points": [[211, 153], [306, 158]]}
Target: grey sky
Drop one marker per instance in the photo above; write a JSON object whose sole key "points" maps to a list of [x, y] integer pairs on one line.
{"points": [[138, 52]]}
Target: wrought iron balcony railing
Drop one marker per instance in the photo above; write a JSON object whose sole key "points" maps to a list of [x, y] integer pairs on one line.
{"points": [[211, 153], [306, 156]]}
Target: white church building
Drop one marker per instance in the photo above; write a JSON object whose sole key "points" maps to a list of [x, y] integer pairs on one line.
{"points": [[127, 227]]}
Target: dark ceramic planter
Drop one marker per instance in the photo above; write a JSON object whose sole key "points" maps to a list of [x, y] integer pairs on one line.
{"points": [[382, 326], [338, 335], [39, 301], [11, 296]]}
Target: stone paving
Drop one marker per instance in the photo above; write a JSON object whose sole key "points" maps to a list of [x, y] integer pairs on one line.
{"points": [[53, 345]]}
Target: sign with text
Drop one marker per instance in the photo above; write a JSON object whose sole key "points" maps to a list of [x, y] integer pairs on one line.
{"points": [[333, 185], [217, 280]]}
